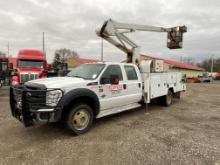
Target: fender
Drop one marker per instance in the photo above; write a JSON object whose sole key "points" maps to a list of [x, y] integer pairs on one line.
{"points": [[72, 95]]}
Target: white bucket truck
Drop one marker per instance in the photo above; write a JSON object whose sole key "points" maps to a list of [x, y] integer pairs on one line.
{"points": [[99, 89]]}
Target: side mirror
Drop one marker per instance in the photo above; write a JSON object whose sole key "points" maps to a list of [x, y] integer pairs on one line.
{"points": [[11, 66], [49, 67], [104, 80], [114, 79], [13, 72]]}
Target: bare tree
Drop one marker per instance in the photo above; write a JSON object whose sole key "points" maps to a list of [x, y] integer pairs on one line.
{"points": [[188, 60], [66, 53], [207, 64], [61, 55]]}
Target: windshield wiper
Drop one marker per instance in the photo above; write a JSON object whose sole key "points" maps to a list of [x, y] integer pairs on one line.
{"points": [[78, 77], [75, 76]]}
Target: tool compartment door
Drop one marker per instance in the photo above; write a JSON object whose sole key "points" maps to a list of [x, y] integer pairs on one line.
{"points": [[180, 84], [158, 85]]}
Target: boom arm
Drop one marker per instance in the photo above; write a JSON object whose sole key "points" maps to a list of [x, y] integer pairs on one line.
{"points": [[114, 32]]}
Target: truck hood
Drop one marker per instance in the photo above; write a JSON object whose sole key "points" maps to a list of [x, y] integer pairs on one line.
{"points": [[58, 82]]}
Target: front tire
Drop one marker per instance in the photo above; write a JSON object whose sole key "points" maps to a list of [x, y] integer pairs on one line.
{"points": [[80, 119]]}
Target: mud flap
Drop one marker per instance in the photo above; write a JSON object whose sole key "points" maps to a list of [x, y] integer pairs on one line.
{"points": [[177, 95], [26, 116]]}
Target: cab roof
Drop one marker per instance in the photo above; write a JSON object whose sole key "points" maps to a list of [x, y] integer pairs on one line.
{"points": [[31, 54], [113, 63]]}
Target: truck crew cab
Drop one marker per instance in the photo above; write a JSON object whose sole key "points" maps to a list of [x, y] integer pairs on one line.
{"points": [[95, 90]]}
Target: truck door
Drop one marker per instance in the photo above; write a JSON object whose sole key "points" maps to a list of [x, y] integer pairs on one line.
{"points": [[133, 85], [112, 95], [3, 70]]}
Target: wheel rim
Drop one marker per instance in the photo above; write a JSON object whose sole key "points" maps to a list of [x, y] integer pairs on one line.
{"points": [[81, 119]]}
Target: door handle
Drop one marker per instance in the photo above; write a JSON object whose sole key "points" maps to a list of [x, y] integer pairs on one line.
{"points": [[124, 86], [139, 85]]}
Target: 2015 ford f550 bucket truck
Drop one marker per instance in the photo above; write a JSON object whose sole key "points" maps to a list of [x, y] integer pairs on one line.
{"points": [[95, 90]]}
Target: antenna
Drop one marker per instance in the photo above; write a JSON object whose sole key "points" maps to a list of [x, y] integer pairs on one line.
{"points": [[8, 48], [212, 62], [101, 49], [43, 43]]}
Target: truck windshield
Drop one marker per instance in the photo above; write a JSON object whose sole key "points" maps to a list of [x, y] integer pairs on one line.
{"points": [[30, 64], [87, 71]]}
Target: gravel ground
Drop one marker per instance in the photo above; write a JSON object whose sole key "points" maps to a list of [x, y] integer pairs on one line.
{"points": [[188, 132]]}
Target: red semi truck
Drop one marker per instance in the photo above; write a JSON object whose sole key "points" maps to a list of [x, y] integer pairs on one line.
{"points": [[30, 64]]}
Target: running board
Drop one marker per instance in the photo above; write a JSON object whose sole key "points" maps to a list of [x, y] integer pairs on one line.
{"points": [[117, 110]]}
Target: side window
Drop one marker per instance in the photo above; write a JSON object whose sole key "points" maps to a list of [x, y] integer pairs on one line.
{"points": [[4, 66], [131, 73], [112, 70]]}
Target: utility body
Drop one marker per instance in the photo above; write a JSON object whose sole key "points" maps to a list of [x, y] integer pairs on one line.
{"points": [[95, 90]]}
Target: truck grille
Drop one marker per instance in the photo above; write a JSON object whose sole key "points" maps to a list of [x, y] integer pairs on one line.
{"points": [[24, 77], [33, 98]]}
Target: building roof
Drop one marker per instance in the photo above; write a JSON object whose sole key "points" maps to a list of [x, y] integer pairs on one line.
{"points": [[75, 61], [176, 64], [31, 54], [2, 56], [3, 59], [85, 60]]}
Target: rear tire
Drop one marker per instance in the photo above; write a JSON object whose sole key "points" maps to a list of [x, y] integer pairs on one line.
{"points": [[167, 99], [80, 119]]}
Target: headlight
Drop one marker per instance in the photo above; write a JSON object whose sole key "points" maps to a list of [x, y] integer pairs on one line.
{"points": [[53, 97]]}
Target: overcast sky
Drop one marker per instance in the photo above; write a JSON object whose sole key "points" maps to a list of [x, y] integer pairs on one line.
{"points": [[72, 24]]}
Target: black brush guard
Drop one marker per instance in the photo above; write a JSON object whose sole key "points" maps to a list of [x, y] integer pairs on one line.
{"points": [[24, 103]]}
